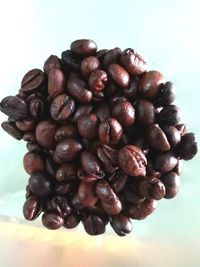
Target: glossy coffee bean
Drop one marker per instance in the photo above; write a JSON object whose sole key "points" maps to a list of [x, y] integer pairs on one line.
{"points": [[145, 112], [56, 82], [112, 56], [105, 192], [124, 112], [149, 85], [39, 184], [88, 65], [71, 221], [133, 62], [14, 107], [61, 206], [66, 130], [37, 108], [70, 62], [80, 111], [152, 187], [88, 126], [110, 131], [84, 177], [100, 54], [77, 88], [179, 167], [45, 132], [50, 63], [110, 89], [151, 171], [50, 166], [86, 194], [26, 125], [173, 135], [62, 107], [83, 47], [172, 184], [112, 209], [32, 208], [168, 94], [103, 111], [187, 148], [33, 146], [165, 161], [33, 80], [132, 160], [119, 75], [142, 209], [108, 157], [52, 221], [169, 115], [182, 128], [156, 138], [33, 163], [131, 91], [68, 149], [76, 204], [63, 188], [66, 172], [121, 224], [118, 181], [29, 136], [94, 225], [98, 80], [12, 130], [131, 197]]}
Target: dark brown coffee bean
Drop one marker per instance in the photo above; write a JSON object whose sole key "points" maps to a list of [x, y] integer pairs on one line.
{"points": [[88, 126], [94, 225], [187, 148], [88, 65], [165, 161], [11, 129], [149, 85], [66, 172], [80, 111], [100, 54], [112, 56], [182, 128], [33, 80], [110, 131], [66, 130], [29, 136], [28, 192], [76, 204], [133, 62], [33, 163], [37, 108], [71, 221], [118, 180], [103, 111], [84, 177], [142, 209], [91, 165], [70, 62], [132, 90], [179, 167], [62, 107], [173, 135], [112, 209], [152, 187], [83, 47], [52, 221], [77, 88], [169, 115], [64, 188], [156, 138], [172, 184], [108, 157], [132, 160], [68, 149], [50, 167], [14, 107], [33, 146], [119, 75], [121, 224], [26, 125], [168, 94], [124, 112], [145, 112], [51, 62], [39, 184], [45, 132], [110, 89], [61, 206], [98, 80], [32, 208], [86, 194], [151, 171], [56, 82], [105, 192], [131, 197]]}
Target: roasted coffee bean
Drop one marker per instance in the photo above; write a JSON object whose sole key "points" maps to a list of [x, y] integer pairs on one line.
{"points": [[172, 184], [80, 111], [63, 188], [33, 80], [14, 107], [121, 224], [132, 160], [131, 197], [66, 130], [50, 166], [156, 138], [112, 56], [118, 180], [173, 135], [112, 209], [110, 131], [33, 163], [76, 204], [56, 82], [108, 157], [62, 107], [45, 132], [29, 136], [149, 85], [105, 192], [142, 209], [33, 146], [133, 62], [83, 47], [132, 90], [169, 115], [179, 167], [94, 225], [97, 96], [103, 111], [29, 193], [145, 112], [77, 88], [52, 221], [70, 62], [90, 146], [61, 206], [86, 194], [37, 108], [151, 171], [101, 54], [168, 94], [32, 208], [182, 128], [51, 62], [124, 112], [39, 184], [12, 130], [119, 75], [165, 161], [88, 126], [83, 176], [152, 187], [98, 80], [141, 143], [110, 89], [26, 125], [68, 149], [71, 221], [66, 172], [88, 65], [187, 148], [91, 165]]}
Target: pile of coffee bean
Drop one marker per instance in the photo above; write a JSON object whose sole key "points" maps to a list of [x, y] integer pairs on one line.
{"points": [[104, 140]]}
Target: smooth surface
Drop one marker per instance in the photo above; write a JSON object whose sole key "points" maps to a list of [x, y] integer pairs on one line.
{"points": [[166, 33]]}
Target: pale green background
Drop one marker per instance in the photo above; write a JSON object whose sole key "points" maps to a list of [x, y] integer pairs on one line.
{"points": [[166, 33]]}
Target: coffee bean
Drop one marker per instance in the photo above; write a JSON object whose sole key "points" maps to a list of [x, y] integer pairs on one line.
{"points": [[133, 62], [94, 225], [132, 160], [151, 171], [71, 221], [165, 161], [142, 209], [61, 206], [26, 125], [173, 135], [131, 197], [112, 209], [105, 192], [100, 54], [98, 80], [179, 167], [76, 204], [45, 132], [66, 172], [68, 149], [29, 193], [29, 136], [88, 65], [32, 208], [119, 75], [182, 128], [83, 176], [83, 47], [80, 111], [12, 130], [124, 112], [103, 111], [66, 130], [51, 62], [52, 221], [172, 184], [152, 187], [118, 180], [168, 94], [88, 126], [56, 82], [110, 89], [169, 115], [112, 56], [108, 157], [33, 80], [33, 146], [121, 224], [37, 108], [70, 62], [63, 188], [39, 184], [156, 138], [33, 163], [50, 166], [14, 107], [86, 194], [187, 148], [145, 112], [132, 90]]}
